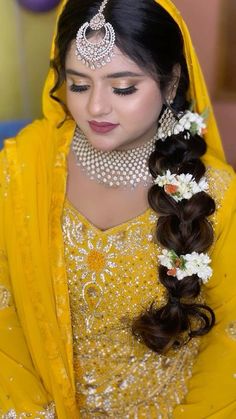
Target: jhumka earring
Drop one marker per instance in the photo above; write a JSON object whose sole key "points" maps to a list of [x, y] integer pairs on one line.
{"points": [[96, 54]]}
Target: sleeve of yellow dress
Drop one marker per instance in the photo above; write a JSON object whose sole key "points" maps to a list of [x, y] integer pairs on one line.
{"points": [[212, 389], [21, 391]]}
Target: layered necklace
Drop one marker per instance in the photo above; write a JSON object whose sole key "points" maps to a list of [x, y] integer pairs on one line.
{"points": [[126, 168]]}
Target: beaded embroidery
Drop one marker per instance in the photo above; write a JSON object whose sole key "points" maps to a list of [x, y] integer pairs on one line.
{"points": [[5, 297], [219, 181], [112, 276], [47, 413], [5, 185], [231, 330]]}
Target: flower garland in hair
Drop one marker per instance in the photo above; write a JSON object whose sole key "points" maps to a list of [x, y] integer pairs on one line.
{"points": [[192, 122], [181, 186], [186, 265]]}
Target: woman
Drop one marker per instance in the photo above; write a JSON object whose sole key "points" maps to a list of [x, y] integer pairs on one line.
{"points": [[88, 328]]}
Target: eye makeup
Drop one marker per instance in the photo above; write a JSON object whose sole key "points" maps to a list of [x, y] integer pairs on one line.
{"points": [[77, 88], [126, 91], [118, 91]]}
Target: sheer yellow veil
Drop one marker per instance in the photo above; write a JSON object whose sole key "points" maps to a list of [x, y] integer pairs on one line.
{"points": [[197, 93]]}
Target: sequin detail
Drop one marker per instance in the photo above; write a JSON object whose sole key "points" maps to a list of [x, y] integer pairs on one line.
{"points": [[5, 185], [231, 330], [219, 181], [116, 375], [47, 413], [5, 297]]}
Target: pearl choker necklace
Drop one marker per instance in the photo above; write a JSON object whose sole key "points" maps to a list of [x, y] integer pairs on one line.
{"points": [[117, 167]]}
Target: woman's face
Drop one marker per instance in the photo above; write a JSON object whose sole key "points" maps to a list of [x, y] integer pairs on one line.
{"points": [[119, 93]]}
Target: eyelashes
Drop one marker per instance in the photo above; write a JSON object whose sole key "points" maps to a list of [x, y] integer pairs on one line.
{"points": [[77, 89], [124, 92], [121, 92]]}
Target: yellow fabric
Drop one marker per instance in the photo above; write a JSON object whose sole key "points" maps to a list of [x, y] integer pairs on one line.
{"points": [[114, 373], [36, 347]]}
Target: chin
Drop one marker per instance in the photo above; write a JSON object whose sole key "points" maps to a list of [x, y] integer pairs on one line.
{"points": [[103, 145]]}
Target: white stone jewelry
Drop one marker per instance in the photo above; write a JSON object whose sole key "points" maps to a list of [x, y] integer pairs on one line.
{"points": [[166, 124], [96, 54], [114, 168]]}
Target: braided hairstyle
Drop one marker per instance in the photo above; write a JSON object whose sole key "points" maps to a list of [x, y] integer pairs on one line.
{"points": [[147, 34], [182, 227]]}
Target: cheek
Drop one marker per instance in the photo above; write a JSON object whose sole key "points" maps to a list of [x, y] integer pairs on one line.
{"points": [[74, 104], [146, 106]]}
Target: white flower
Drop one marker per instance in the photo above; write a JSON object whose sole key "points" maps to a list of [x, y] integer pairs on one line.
{"points": [[181, 186], [198, 264], [165, 259], [186, 265], [192, 122], [188, 121]]}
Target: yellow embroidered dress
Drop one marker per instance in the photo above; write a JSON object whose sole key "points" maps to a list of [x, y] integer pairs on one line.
{"points": [[112, 276], [59, 276]]}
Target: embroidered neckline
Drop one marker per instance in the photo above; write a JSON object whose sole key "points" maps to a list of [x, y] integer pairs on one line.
{"points": [[120, 227]]}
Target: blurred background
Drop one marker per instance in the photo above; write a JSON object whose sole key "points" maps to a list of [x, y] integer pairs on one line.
{"points": [[25, 45]]}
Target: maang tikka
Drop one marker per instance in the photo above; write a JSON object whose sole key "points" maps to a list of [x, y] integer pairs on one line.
{"points": [[97, 54]]}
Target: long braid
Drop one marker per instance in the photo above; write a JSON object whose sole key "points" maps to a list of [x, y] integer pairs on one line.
{"points": [[182, 227]]}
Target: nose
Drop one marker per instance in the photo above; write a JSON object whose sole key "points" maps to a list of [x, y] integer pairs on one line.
{"points": [[99, 102]]}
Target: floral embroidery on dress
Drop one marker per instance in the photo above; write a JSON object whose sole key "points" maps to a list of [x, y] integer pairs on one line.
{"points": [[115, 374], [112, 277], [96, 261]]}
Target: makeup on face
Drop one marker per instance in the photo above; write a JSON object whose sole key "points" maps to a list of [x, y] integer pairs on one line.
{"points": [[116, 106], [122, 83], [102, 127]]}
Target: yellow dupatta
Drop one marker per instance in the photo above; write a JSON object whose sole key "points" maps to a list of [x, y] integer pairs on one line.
{"points": [[35, 338]]}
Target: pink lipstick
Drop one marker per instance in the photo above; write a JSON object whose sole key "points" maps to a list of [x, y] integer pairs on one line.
{"points": [[102, 127]]}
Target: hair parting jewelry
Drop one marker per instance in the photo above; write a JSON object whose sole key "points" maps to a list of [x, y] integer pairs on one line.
{"points": [[96, 54]]}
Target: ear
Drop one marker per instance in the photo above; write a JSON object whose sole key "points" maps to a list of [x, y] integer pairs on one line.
{"points": [[173, 85]]}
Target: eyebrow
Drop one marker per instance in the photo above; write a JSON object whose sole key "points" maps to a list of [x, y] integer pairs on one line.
{"points": [[108, 76]]}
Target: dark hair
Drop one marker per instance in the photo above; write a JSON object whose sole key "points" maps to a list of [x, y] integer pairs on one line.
{"points": [[147, 34]]}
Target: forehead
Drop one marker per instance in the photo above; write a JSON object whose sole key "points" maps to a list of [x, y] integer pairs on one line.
{"points": [[119, 62]]}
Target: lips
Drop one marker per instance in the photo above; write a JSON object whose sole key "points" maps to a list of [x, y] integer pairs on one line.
{"points": [[102, 127], [102, 124]]}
